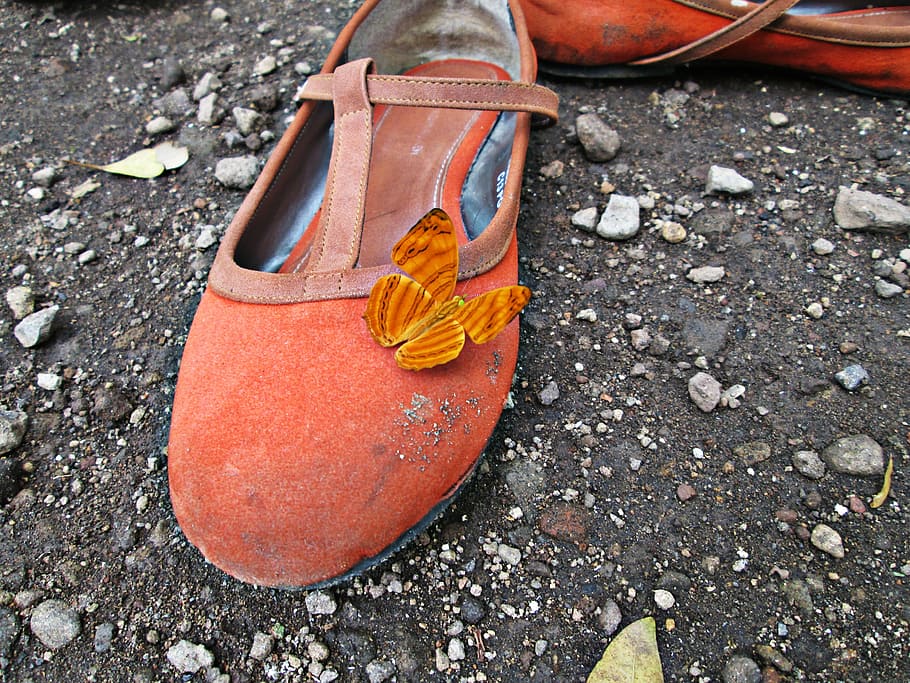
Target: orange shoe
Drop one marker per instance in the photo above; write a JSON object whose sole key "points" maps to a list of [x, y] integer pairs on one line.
{"points": [[300, 452], [861, 47]]}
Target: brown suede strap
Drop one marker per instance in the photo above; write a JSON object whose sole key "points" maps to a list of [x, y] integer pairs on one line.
{"points": [[763, 15], [450, 93], [353, 90]]}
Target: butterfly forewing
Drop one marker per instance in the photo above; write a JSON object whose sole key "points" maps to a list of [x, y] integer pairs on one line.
{"points": [[396, 306], [429, 254], [485, 316], [439, 344]]}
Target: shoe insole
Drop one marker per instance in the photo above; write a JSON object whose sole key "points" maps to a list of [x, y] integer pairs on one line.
{"points": [[419, 160]]}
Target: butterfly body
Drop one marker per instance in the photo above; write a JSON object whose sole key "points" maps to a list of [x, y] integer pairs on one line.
{"points": [[422, 312]]}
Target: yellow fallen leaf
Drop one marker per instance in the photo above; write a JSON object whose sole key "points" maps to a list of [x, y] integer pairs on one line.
{"points": [[146, 163], [171, 156], [880, 497], [631, 657]]}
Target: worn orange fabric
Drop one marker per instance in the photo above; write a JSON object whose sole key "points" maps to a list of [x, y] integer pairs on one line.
{"points": [[310, 450], [864, 48]]}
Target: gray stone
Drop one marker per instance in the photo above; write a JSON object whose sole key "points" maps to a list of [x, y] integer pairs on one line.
{"points": [[727, 181], [827, 540], [35, 328], [45, 177], [189, 657], [508, 554], [549, 394], [753, 452], [104, 636], [21, 301], [210, 111], [809, 464], [13, 424], [887, 290], [320, 602], [741, 669], [265, 66], [704, 391], [262, 646], [219, 15], [472, 610], [172, 73], [704, 274], [859, 455], [599, 141], [174, 103], [707, 337], [822, 247], [206, 85], [586, 219], [55, 623], [620, 220], [778, 119], [610, 617], [379, 671], [237, 173], [861, 210], [160, 125], [852, 377], [247, 120]]}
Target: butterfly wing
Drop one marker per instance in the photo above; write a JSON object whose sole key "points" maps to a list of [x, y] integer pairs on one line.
{"points": [[439, 344], [429, 253], [396, 306], [485, 316]]}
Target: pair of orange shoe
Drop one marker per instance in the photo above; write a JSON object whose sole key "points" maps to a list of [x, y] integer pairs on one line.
{"points": [[302, 449]]}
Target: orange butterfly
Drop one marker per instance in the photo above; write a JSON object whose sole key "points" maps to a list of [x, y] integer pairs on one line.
{"points": [[424, 312]]}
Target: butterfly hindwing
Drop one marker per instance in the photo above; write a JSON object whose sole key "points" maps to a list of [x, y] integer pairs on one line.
{"points": [[429, 254], [396, 305], [439, 344], [485, 316]]}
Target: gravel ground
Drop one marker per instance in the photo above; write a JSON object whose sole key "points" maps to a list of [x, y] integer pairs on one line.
{"points": [[712, 379]]}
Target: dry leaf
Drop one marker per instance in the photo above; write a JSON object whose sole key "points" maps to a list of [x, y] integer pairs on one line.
{"points": [[880, 497], [84, 188], [146, 163], [631, 657], [171, 156]]}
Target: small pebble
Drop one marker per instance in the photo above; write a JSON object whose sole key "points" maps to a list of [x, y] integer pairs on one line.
{"points": [[809, 464], [861, 210], [189, 657], [704, 391], [265, 66], [599, 141], [219, 15], [206, 85], [827, 540], [262, 646], [588, 314], [13, 424], [815, 310], [704, 274], [852, 377], [549, 394], [887, 290], [49, 381], [664, 599], [159, 125], [741, 669], [35, 328], [320, 602], [45, 177], [509, 554], [685, 492], [247, 120], [672, 232], [858, 455], [778, 119], [620, 220], [104, 636], [822, 247], [55, 623], [727, 181], [553, 170], [237, 173], [21, 301], [586, 219]]}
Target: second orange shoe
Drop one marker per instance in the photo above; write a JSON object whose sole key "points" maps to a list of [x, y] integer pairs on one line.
{"points": [[860, 45]]}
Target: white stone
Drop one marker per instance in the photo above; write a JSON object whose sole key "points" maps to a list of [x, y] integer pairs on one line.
{"points": [[21, 301], [861, 210], [726, 180], [237, 173], [320, 602], [36, 328], [45, 177], [159, 125], [189, 657], [620, 220], [49, 381], [586, 219], [815, 310], [822, 247], [247, 120], [827, 540], [262, 646], [704, 391], [207, 84], [664, 599], [509, 554], [704, 274], [55, 623], [778, 119], [265, 66], [886, 289], [13, 424]]}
